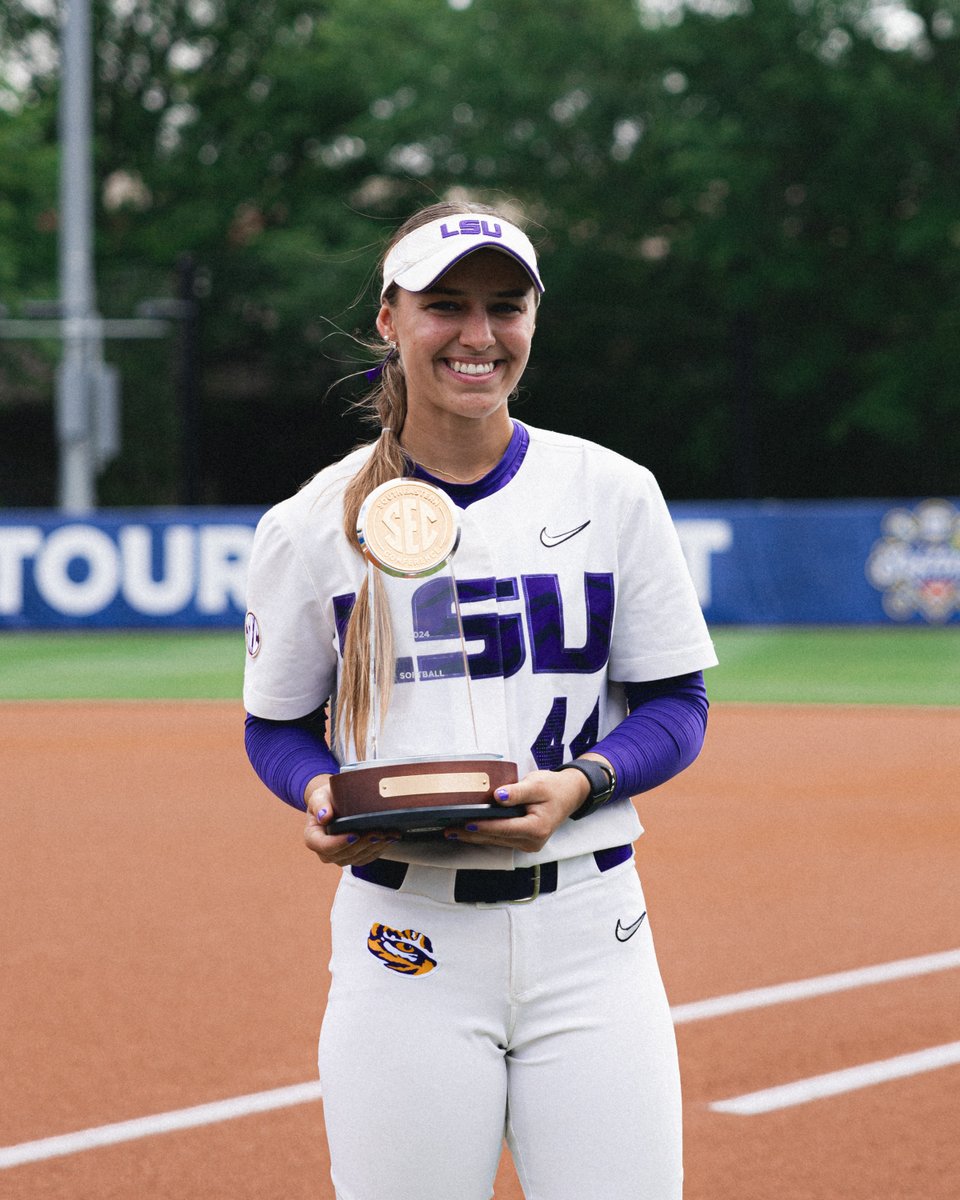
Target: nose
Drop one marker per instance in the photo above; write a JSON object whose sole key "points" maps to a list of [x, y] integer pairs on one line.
{"points": [[475, 331]]}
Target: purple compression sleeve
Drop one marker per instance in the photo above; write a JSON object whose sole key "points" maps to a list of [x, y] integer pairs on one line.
{"points": [[287, 754], [662, 734]]}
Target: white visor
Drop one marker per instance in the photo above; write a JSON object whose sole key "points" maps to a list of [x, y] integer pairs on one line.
{"points": [[418, 260]]}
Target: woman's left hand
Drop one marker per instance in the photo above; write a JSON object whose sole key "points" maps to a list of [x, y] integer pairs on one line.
{"points": [[550, 797]]}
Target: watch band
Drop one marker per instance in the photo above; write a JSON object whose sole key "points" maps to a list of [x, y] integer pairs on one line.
{"points": [[602, 780]]}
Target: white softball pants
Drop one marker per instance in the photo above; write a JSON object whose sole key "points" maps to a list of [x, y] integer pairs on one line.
{"points": [[537, 1023]]}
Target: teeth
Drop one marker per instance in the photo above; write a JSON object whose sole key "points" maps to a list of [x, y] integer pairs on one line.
{"points": [[465, 368]]}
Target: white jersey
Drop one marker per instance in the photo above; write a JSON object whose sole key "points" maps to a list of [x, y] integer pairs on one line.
{"points": [[571, 581]]}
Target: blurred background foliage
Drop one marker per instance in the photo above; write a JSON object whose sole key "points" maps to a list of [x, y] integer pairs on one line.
{"points": [[748, 214]]}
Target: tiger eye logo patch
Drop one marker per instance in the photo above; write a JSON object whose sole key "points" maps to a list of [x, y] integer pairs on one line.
{"points": [[402, 950]]}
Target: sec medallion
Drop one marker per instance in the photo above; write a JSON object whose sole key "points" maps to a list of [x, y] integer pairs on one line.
{"points": [[408, 528]]}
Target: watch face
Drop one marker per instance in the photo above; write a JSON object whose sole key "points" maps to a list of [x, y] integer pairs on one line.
{"points": [[602, 780], [598, 777], [603, 784]]}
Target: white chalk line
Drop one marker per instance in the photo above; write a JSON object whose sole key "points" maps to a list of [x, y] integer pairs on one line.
{"points": [[836, 1082], [821, 985], [302, 1093], [140, 1127], [818, 1087]]}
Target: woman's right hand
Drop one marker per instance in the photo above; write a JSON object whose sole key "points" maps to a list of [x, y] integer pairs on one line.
{"points": [[342, 849]]}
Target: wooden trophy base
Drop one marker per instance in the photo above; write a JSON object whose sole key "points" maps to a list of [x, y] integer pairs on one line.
{"points": [[419, 799]]}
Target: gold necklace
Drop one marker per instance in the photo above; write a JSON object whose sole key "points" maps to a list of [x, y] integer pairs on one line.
{"points": [[455, 478]]}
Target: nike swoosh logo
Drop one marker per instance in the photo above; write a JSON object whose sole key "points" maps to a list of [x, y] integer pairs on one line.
{"points": [[626, 932], [554, 539]]}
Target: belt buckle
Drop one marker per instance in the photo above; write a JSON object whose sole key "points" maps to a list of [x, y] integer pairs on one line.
{"points": [[536, 888], [524, 900]]}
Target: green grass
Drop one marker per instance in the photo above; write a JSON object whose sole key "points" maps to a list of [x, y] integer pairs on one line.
{"points": [[126, 666], [884, 665], [853, 665]]}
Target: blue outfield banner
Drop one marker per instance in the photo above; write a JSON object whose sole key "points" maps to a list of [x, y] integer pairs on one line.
{"points": [[860, 562], [125, 568], [769, 563]]}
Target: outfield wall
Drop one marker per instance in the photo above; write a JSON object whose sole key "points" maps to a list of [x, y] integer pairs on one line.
{"points": [[860, 562]]}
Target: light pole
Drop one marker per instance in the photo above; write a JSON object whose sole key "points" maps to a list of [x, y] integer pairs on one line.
{"points": [[87, 403], [81, 367]]}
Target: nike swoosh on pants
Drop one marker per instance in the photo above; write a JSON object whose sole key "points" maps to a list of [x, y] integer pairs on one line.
{"points": [[626, 932]]}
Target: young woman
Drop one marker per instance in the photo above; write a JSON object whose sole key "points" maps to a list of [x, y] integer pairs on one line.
{"points": [[502, 981]]}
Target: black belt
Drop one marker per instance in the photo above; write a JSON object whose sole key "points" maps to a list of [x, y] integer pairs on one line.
{"points": [[491, 887]]}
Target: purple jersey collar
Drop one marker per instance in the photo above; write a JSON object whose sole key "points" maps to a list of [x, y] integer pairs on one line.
{"points": [[465, 494]]}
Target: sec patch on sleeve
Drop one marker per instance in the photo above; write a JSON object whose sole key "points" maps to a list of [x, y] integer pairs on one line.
{"points": [[251, 632]]}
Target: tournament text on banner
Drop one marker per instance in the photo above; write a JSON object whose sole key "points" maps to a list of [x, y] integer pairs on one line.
{"points": [[769, 563]]}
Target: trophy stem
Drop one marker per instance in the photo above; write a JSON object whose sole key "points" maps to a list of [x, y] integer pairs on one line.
{"points": [[373, 719], [466, 660]]}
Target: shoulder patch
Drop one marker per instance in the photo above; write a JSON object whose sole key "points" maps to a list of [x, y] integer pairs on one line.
{"points": [[251, 632]]}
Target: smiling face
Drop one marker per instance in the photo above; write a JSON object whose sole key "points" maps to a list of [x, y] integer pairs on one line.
{"points": [[464, 343]]}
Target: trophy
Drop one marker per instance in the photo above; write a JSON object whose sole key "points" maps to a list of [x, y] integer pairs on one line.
{"points": [[422, 766]]}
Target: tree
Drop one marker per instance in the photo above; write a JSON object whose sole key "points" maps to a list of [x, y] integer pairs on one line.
{"points": [[747, 221]]}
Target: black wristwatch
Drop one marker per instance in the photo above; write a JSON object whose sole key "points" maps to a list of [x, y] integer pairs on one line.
{"points": [[602, 780]]}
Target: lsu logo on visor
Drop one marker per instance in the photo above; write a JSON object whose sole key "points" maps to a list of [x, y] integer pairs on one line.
{"points": [[402, 950], [472, 228]]}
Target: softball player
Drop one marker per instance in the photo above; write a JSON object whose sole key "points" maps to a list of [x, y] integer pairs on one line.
{"points": [[501, 981]]}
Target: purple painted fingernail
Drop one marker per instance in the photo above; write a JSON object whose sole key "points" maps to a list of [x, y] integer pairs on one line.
{"points": [[471, 828], [321, 812], [351, 838], [501, 794]]}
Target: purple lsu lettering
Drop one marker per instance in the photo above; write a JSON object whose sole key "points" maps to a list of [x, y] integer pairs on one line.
{"points": [[532, 627], [472, 229]]}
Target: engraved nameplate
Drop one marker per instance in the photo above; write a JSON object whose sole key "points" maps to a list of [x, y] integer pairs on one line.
{"points": [[429, 785]]}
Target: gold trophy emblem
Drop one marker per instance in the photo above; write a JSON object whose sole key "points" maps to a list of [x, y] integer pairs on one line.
{"points": [[408, 528], [409, 532]]}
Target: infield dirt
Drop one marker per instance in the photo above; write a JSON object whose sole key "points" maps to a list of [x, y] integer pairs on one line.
{"points": [[165, 939]]}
